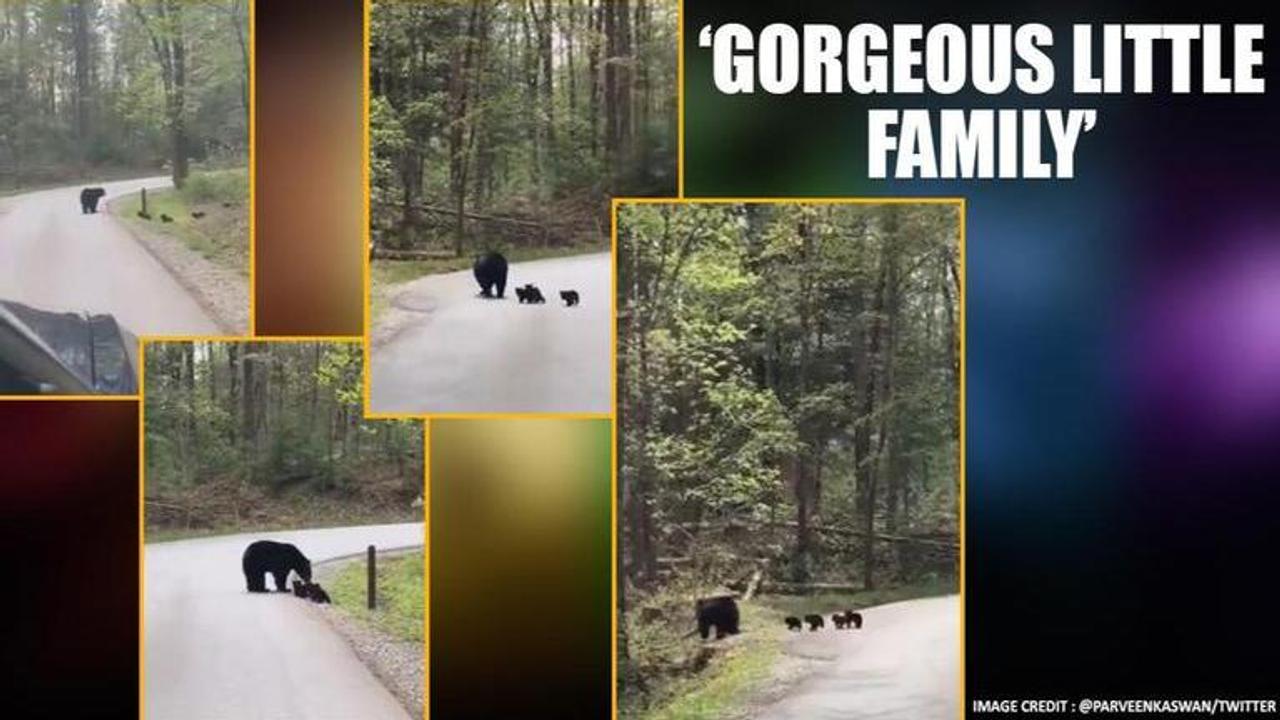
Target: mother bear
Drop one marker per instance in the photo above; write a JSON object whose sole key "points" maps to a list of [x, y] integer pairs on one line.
{"points": [[89, 198], [491, 273], [276, 558]]}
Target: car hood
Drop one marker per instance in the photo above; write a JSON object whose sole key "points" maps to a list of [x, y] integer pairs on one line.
{"points": [[64, 352]]}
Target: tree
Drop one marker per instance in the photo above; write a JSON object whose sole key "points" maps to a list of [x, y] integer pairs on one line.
{"points": [[89, 87], [164, 27], [480, 136]]}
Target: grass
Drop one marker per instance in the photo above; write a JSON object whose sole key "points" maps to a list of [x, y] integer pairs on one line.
{"points": [[744, 668], [723, 689], [221, 236], [400, 597]]}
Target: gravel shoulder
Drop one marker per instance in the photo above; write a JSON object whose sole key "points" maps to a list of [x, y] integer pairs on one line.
{"points": [[220, 292], [398, 664]]}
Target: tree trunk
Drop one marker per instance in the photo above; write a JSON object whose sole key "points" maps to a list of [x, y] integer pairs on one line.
{"points": [[83, 59], [20, 94], [595, 21], [237, 11], [866, 461], [178, 106], [458, 108]]}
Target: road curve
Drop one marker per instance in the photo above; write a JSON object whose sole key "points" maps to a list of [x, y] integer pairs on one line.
{"points": [[467, 354], [214, 651], [54, 257], [904, 664]]}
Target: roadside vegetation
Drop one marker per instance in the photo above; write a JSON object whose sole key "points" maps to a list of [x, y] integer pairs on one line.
{"points": [[727, 678], [400, 611], [210, 215]]}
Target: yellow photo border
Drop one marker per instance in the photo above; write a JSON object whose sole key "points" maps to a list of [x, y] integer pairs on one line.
{"points": [[961, 206], [428, 417], [142, 472]]}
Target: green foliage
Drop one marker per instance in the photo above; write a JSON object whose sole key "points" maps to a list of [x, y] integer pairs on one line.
{"points": [[220, 235], [709, 683], [788, 384], [231, 426], [82, 91], [218, 186], [503, 109]]}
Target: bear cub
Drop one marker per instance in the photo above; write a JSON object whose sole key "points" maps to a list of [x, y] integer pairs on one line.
{"points": [[570, 297], [311, 591], [530, 294]]}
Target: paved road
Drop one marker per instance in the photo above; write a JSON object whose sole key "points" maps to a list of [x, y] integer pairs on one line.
{"points": [[468, 354], [214, 651], [53, 257], [904, 664]]}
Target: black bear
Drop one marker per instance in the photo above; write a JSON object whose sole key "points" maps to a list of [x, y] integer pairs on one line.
{"points": [[530, 294], [838, 619], [815, 622], [317, 594], [89, 198], [853, 619], [491, 272], [165, 218], [570, 297], [793, 622], [721, 612], [275, 558], [301, 589], [197, 214]]}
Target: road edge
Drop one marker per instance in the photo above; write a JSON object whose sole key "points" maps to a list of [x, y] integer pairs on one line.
{"points": [[396, 315], [231, 316], [366, 641]]}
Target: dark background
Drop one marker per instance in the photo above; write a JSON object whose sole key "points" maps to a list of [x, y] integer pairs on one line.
{"points": [[1123, 356], [69, 537]]}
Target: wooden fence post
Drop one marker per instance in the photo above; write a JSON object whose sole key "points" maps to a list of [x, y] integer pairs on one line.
{"points": [[373, 578], [144, 201]]}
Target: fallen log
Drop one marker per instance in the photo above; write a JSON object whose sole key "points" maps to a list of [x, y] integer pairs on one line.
{"points": [[884, 537], [452, 212], [390, 254], [794, 588]]}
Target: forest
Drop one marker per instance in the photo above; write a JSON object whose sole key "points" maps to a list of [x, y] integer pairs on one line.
{"points": [[106, 88], [788, 414], [244, 435], [504, 124]]}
